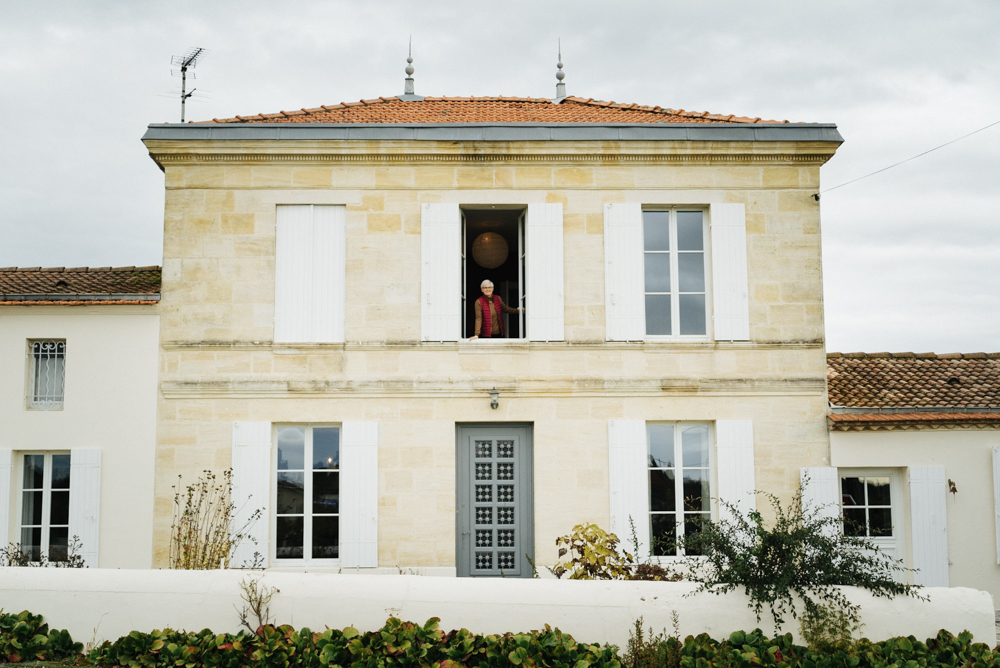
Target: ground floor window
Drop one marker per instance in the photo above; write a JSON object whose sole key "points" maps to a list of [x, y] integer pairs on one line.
{"points": [[307, 493], [44, 525], [680, 482], [867, 505]]}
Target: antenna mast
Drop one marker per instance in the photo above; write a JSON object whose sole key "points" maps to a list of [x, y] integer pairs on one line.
{"points": [[188, 60]]}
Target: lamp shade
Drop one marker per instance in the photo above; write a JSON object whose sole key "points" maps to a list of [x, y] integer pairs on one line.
{"points": [[490, 250]]}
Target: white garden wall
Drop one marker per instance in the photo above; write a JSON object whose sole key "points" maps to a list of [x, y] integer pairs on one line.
{"points": [[105, 604]]}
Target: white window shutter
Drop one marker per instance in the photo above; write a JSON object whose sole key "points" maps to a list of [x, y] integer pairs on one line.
{"points": [[821, 492], [310, 272], [929, 525], [735, 465], [359, 495], [85, 502], [544, 268], [6, 478], [624, 282], [251, 490], [440, 272], [996, 496], [730, 289], [629, 482]]}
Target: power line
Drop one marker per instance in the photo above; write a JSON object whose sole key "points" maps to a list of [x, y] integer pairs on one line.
{"points": [[908, 159]]}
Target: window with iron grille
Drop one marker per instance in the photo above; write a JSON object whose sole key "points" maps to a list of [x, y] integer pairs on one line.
{"points": [[47, 374]]}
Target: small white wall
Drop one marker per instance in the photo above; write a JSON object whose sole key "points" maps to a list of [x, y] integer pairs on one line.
{"points": [[967, 458], [115, 602], [110, 404]]}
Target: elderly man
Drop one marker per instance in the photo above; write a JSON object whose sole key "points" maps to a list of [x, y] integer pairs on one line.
{"points": [[489, 308]]}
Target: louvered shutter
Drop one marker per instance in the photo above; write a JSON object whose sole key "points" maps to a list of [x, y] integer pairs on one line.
{"points": [[6, 479], [624, 298], [929, 525], [544, 269], [735, 465], [310, 272], [996, 497], [85, 502], [440, 272], [251, 491], [628, 482], [730, 290], [821, 492], [359, 495]]}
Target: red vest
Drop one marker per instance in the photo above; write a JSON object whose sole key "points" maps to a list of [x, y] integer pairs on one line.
{"points": [[487, 329]]}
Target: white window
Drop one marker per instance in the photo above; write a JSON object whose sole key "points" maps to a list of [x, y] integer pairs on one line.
{"points": [[869, 500], [307, 494], [674, 243], [45, 509], [679, 466], [46, 374]]}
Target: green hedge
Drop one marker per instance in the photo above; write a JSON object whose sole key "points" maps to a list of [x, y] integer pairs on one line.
{"points": [[25, 637]]}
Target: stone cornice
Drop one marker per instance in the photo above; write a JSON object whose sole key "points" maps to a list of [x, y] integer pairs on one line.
{"points": [[508, 387], [483, 159], [489, 347]]}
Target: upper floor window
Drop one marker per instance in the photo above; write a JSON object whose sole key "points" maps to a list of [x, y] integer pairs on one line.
{"points": [[47, 374], [45, 506], [674, 244], [867, 504], [680, 483], [307, 509]]}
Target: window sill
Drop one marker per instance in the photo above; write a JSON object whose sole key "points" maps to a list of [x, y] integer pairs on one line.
{"points": [[491, 345], [43, 409]]}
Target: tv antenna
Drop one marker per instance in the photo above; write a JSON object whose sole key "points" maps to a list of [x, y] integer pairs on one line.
{"points": [[185, 62]]}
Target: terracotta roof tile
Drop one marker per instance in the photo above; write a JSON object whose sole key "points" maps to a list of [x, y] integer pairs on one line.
{"points": [[45, 285], [914, 380], [500, 109]]}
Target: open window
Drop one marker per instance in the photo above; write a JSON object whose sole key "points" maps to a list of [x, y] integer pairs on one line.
{"points": [[493, 249]]}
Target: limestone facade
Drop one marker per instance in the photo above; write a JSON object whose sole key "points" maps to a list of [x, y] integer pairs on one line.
{"points": [[218, 363]]}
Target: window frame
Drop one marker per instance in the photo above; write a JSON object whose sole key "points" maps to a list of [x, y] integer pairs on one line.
{"points": [[679, 489], [675, 292], [44, 546], [896, 542], [30, 387], [307, 514]]}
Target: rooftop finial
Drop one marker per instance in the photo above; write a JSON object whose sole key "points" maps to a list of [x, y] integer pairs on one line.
{"points": [[408, 95], [560, 75], [409, 70]]}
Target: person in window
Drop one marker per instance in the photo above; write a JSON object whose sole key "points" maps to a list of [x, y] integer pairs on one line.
{"points": [[489, 308]]}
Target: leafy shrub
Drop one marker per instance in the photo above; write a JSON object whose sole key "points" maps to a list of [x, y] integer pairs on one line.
{"points": [[398, 643], [26, 637], [804, 553], [595, 555]]}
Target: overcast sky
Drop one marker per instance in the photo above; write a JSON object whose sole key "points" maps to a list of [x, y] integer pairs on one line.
{"points": [[910, 256]]}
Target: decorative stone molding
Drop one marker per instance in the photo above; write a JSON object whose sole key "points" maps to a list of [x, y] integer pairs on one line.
{"points": [[476, 159], [509, 387]]}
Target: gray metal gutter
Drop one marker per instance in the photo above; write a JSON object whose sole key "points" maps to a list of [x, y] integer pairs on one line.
{"points": [[499, 132]]}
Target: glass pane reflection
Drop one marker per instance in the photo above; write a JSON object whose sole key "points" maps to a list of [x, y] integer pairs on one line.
{"points": [[878, 491], [291, 448], [692, 309], [694, 441], [656, 272], [662, 494], [326, 448], [697, 494], [690, 231], [291, 492], [661, 445], [656, 230], [664, 534], [658, 315]]}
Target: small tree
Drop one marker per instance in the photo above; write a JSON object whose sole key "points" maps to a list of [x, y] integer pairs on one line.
{"points": [[202, 535], [804, 553]]}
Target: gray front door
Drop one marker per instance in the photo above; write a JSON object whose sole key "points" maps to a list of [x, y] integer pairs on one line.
{"points": [[494, 523]]}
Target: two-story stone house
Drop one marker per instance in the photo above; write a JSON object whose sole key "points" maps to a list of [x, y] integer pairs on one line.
{"points": [[320, 273]]}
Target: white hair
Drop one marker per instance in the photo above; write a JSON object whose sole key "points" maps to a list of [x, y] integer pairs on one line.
{"points": [[485, 283]]}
